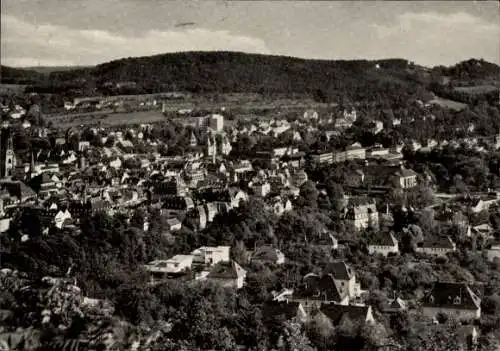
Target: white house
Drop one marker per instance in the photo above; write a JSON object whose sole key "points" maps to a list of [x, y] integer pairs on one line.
{"points": [[208, 255], [493, 252], [176, 264], [384, 244], [60, 217]]}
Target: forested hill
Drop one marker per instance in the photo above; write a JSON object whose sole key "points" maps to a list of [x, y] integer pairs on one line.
{"points": [[239, 72]]}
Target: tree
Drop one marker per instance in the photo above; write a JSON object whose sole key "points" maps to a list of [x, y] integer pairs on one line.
{"points": [[309, 194]]}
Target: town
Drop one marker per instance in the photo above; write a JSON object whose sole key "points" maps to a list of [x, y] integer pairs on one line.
{"points": [[321, 217], [249, 176]]}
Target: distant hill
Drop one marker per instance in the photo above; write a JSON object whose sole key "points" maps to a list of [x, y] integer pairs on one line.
{"points": [[222, 72], [10, 75], [50, 69]]}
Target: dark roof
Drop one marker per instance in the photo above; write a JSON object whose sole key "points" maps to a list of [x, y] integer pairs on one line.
{"points": [[265, 253], [273, 309], [336, 313], [225, 270], [339, 270], [383, 239], [360, 201], [321, 288], [441, 242], [405, 173], [452, 295]]}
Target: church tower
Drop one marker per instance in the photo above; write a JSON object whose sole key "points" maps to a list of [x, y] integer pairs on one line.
{"points": [[193, 142], [7, 156], [10, 158]]}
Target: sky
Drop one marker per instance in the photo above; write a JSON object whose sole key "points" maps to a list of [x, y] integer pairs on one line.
{"points": [[89, 32]]}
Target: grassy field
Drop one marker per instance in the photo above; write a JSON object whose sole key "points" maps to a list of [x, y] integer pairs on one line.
{"points": [[241, 106], [477, 89], [454, 105]]}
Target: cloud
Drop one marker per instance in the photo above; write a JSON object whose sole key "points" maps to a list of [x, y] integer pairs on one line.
{"points": [[429, 37], [24, 44]]}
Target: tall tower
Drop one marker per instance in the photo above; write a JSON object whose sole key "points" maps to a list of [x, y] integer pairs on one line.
{"points": [[10, 158], [32, 165], [193, 142], [214, 149]]}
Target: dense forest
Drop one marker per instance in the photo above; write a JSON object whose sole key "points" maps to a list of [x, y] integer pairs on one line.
{"points": [[239, 72]]}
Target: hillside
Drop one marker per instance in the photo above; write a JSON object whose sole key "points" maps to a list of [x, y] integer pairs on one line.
{"points": [[222, 72], [10, 75]]}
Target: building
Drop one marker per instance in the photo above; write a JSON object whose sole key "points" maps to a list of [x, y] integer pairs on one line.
{"points": [[208, 256], [439, 247], [455, 299], [174, 224], [406, 178], [7, 155], [322, 158], [361, 213], [216, 122], [383, 244], [355, 313], [228, 274], [344, 277], [314, 290], [289, 310], [310, 114], [176, 264], [493, 252]]}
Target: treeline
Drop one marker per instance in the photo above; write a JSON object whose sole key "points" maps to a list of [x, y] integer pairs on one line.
{"points": [[224, 72]]}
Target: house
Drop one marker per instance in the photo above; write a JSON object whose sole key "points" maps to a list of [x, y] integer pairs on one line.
{"points": [[469, 335], [268, 254], [344, 277], [485, 230], [361, 213], [456, 299], [310, 114], [208, 256], [228, 274], [396, 305], [283, 310], [383, 244], [438, 247], [478, 204], [176, 264], [174, 224], [406, 178], [279, 205], [322, 158], [377, 127], [299, 178], [315, 290], [61, 217], [261, 188], [355, 313], [493, 252]]}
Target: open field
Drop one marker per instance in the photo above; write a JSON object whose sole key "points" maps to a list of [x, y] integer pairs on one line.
{"points": [[454, 105], [240, 107], [477, 89], [106, 118]]}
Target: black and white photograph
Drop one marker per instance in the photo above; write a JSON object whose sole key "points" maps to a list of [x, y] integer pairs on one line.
{"points": [[249, 175]]}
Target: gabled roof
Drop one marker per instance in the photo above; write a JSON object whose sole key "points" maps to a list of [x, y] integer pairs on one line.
{"points": [[336, 313], [452, 295], [384, 239], [441, 242], [339, 270], [273, 309], [398, 303]]}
